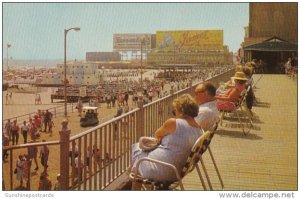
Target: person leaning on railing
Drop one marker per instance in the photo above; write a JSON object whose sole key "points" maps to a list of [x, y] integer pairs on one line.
{"points": [[232, 95], [175, 137]]}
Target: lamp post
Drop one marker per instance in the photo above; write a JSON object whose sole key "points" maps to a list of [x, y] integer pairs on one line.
{"points": [[7, 47], [65, 66], [143, 40], [174, 54], [103, 72]]}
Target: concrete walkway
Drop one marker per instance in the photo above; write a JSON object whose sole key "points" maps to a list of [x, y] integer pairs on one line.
{"points": [[265, 159]]}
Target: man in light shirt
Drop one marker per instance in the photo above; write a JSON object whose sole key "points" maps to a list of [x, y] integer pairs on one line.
{"points": [[208, 113]]}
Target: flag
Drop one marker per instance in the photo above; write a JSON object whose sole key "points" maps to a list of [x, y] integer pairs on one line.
{"points": [[8, 45]]}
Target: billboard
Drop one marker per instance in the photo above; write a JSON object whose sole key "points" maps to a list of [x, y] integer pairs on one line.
{"points": [[189, 40], [131, 42]]}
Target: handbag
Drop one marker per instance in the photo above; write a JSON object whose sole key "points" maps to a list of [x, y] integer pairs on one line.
{"points": [[15, 171], [148, 143]]}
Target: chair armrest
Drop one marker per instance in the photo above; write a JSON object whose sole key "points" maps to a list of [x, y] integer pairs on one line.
{"points": [[157, 162], [226, 102]]}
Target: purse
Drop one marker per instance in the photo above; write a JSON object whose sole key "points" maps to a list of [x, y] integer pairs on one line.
{"points": [[148, 143]]}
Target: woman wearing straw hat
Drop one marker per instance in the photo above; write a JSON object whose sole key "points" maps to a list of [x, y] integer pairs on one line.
{"points": [[230, 83], [233, 94]]}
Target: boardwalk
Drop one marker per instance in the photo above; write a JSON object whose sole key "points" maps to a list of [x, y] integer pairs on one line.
{"points": [[266, 159]]}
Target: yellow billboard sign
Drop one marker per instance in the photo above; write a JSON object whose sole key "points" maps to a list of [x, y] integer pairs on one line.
{"points": [[189, 40]]}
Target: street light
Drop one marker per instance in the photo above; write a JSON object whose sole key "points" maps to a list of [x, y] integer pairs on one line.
{"points": [[65, 66], [143, 40], [7, 47], [174, 45]]}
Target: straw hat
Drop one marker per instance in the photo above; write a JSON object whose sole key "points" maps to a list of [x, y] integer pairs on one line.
{"points": [[240, 76], [239, 68]]}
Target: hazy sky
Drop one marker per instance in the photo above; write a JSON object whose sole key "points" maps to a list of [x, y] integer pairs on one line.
{"points": [[36, 30]]}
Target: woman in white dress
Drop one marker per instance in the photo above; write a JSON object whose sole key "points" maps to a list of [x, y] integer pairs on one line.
{"points": [[176, 137]]}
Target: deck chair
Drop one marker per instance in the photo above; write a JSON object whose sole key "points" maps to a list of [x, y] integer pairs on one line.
{"points": [[255, 83], [205, 146], [188, 167], [238, 106], [207, 140]]}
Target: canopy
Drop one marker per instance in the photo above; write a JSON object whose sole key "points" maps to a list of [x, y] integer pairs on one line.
{"points": [[273, 44], [90, 108]]}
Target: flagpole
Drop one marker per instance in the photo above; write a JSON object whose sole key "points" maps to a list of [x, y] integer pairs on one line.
{"points": [[7, 57]]}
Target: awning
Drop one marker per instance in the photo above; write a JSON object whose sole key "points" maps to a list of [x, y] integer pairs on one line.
{"points": [[273, 44]]}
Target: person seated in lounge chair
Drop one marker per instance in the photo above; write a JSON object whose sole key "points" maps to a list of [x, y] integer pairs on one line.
{"points": [[224, 101], [176, 138]]}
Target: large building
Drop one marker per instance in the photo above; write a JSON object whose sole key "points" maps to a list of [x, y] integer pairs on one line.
{"points": [[77, 74], [273, 19], [272, 33], [192, 47], [132, 45], [102, 56]]}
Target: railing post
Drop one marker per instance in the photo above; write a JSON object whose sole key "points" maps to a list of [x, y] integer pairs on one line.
{"points": [[64, 155], [140, 120]]}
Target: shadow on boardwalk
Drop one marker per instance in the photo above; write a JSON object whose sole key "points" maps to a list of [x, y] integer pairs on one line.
{"points": [[238, 134]]}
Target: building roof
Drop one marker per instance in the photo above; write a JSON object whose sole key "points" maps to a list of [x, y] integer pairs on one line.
{"points": [[273, 44]]}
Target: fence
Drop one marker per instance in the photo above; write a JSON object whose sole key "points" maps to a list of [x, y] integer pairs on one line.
{"points": [[57, 111], [93, 159]]}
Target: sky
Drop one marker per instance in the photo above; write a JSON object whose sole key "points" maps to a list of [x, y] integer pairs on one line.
{"points": [[36, 30]]}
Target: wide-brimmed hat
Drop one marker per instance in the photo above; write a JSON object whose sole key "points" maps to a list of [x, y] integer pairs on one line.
{"points": [[240, 76]]}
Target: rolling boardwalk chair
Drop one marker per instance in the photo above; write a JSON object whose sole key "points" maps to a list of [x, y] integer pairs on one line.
{"points": [[188, 167], [238, 106]]}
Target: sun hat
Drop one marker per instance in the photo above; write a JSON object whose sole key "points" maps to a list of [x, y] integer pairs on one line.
{"points": [[240, 76], [148, 143], [239, 68]]}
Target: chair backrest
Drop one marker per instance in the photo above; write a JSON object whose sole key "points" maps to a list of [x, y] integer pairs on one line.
{"points": [[243, 96], [189, 165]]}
